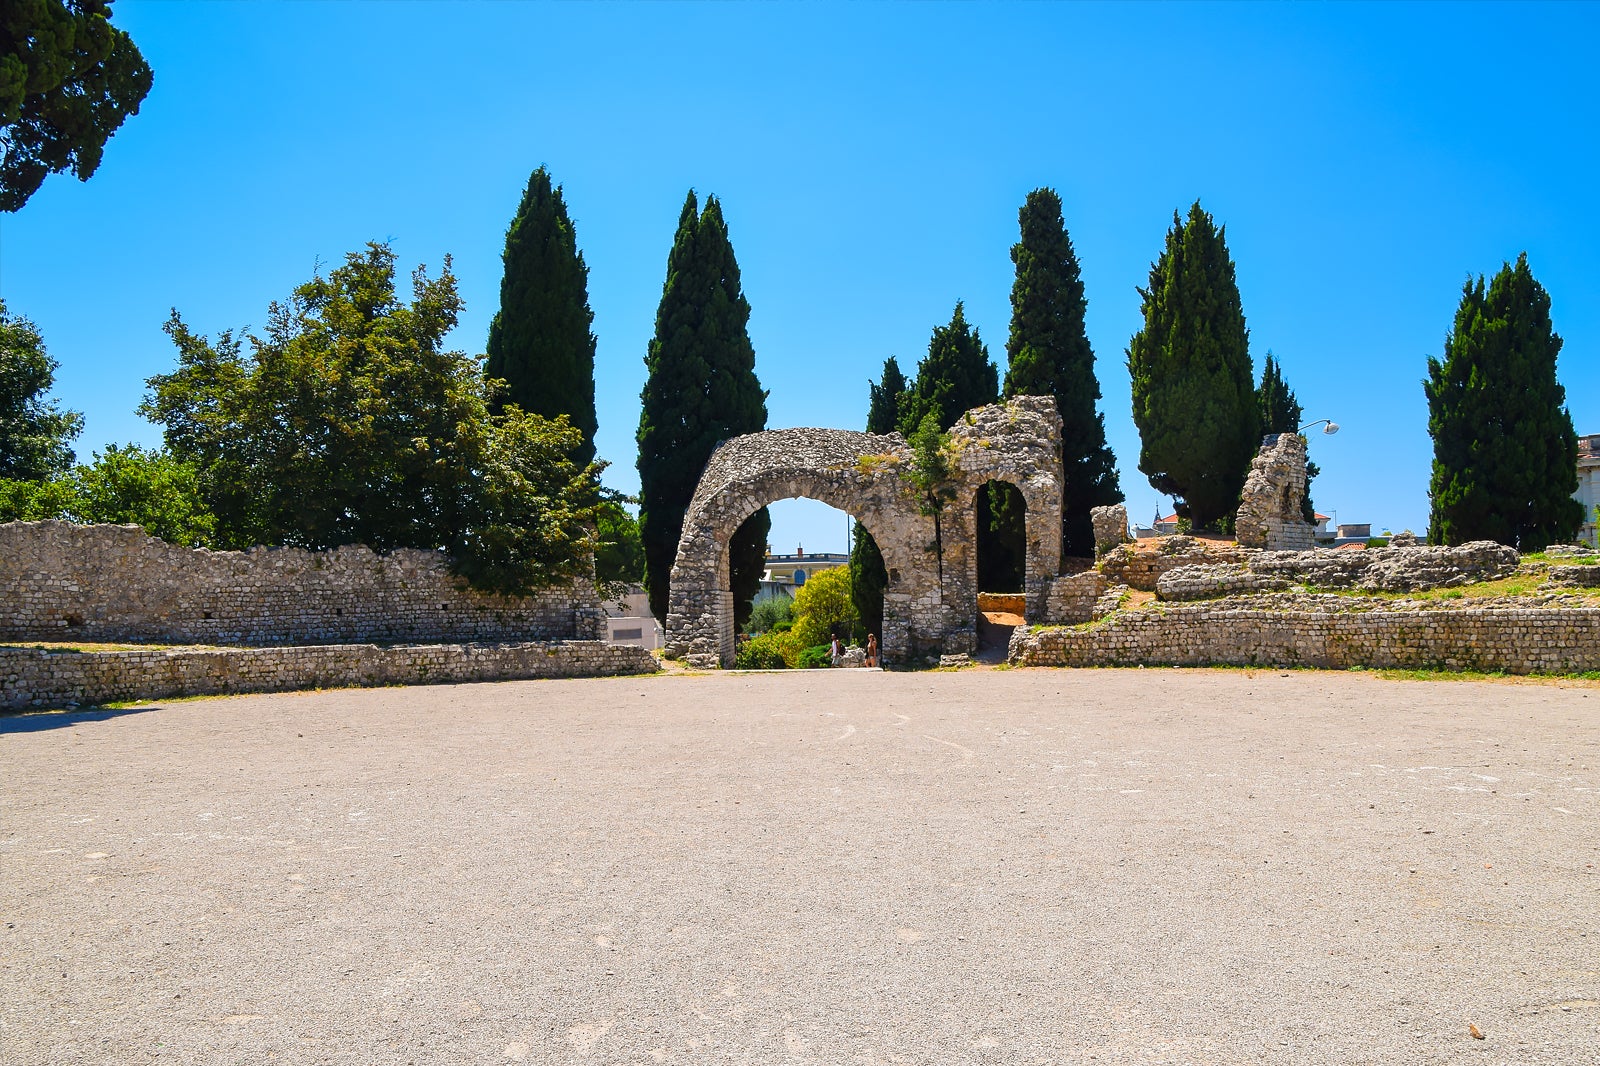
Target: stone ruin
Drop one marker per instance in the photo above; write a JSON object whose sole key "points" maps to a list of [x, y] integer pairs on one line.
{"points": [[930, 606], [1269, 513]]}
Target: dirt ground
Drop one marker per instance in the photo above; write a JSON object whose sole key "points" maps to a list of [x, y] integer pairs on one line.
{"points": [[1006, 866]]}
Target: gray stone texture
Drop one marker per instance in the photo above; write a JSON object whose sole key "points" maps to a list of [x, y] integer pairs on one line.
{"points": [[60, 581], [34, 677], [930, 605], [1269, 514], [1110, 527], [1371, 570]]}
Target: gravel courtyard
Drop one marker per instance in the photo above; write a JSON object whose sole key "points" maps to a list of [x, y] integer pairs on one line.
{"points": [[1006, 866]]}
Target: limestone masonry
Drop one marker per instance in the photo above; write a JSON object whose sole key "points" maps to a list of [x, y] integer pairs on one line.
{"points": [[65, 582]]}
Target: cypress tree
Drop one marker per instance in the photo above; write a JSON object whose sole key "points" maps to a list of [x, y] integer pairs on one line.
{"points": [[540, 341], [1505, 455], [701, 390], [1049, 355], [1278, 411], [1193, 394], [955, 376], [868, 575]]}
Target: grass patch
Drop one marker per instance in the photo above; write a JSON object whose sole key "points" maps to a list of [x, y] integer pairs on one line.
{"points": [[89, 648]]}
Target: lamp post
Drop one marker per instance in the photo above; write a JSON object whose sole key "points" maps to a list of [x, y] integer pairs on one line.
{"points": [[1331, 427]]}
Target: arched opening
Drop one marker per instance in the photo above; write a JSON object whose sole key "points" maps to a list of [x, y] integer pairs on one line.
{"points": [[1002, 537]]}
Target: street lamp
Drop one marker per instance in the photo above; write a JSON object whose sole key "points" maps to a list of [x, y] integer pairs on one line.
{"points": [[1331, 428]]}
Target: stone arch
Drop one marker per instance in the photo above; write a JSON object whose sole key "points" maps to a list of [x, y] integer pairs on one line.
{"points": [[930, 605]]}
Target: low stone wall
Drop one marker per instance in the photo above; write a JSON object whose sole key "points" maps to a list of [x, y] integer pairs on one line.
{"points": [[116, 584], [1514, 640], [1140, 569], [34, 678], [1073, 598]]}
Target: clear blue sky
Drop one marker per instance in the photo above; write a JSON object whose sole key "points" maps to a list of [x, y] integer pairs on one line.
{"points": [[870, 160]]}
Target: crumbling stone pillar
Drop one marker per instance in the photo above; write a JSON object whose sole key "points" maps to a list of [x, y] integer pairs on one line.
{"points": [[1269, 513]]}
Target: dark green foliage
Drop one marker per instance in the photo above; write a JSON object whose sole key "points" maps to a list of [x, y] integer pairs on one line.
{"points": [[868, 576], [619, 555], [769, 611], [1279, 412], [348, 424], [816, 657], [68, 79], [1505, 455], [930, 477], [1049, 355], [761, 652], [124, 485], [701, 390], [540, 341], [35, 434], [1193, 394], [1002, 537], [954, 377]]}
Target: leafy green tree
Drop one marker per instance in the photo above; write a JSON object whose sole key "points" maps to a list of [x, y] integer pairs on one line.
{"points": [[1193, 394], [930, 477], [619, 559], [868, 575], [1279, 412], [347, 423], [68, 79], [823, 608], [771, 610], [701, 389], [35, 433], [1049, 355], [37, 501], [1505, 455], [954, 377], [144, 487], [540, 341]]}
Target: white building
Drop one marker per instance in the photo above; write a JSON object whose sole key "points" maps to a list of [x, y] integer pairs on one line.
{"points": [[630, 621], [1588, 492]]}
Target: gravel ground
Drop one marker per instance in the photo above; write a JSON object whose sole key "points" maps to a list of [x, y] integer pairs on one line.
{"points": [[1007, 866]]}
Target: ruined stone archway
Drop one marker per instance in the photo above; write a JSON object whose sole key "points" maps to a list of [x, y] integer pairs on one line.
{"points": [[930, 604]]}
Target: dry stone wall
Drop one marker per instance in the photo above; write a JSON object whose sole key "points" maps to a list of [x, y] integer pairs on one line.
{"points": [[62, 581], [1269, 514], [1410, 569], [1517, 640], [1128, 565], [34, 678]]}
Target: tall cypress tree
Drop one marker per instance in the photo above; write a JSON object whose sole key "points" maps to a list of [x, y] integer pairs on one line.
{"points": [[955, 376], [868, 575], [1049, 355], [1193, 390], [1505, 455], [701, 390], [540, 340], [1278, 411]]}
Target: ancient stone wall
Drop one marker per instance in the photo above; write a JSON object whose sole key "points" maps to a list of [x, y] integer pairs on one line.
{"points": [[61, 581], [1141, 569], [1073, 598], [1374, 569], [1110, 525], [1269, 514], [1516, 640], [35, 678], [931, 602]]}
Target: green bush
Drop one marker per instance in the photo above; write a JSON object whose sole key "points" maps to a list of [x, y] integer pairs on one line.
{"points": [[764, 652], [813, 657], [823, 608], [770, 611]]}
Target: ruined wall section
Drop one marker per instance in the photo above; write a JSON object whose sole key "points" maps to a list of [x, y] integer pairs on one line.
{"points": [[65, 582], [1269, 514]]}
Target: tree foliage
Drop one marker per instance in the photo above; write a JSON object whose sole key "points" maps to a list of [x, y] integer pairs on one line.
{"points": [[701, 389], [619, 556], [1049, 355], [954, 377], [1193, 390], [823, 608], [35, 433], [126, 485], [868, 575], [540, 341], [348, 423], [1505, 455], [68, 79], [1278, 411]]}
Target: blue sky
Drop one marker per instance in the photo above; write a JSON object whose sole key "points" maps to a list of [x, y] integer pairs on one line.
{"points": [[870, 160]]}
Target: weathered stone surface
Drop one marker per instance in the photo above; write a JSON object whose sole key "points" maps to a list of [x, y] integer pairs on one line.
{"points": [[1376, 569], [1269, 514], [1209, 582], [63, 581], [31, 677], [1127, 565], [1568, 551], [1110, 527], [1073, 598], [930, 604], [1580, 576], [1518, 640]]}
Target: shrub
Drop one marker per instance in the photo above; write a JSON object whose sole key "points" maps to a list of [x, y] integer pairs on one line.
{"points": [[813, 657], [770, 611], [767, 652], [823, 607]]}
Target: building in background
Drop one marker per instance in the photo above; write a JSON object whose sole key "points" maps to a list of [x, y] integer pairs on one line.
{"points": [[629, 620], [1588, 492], [785, 573]]}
